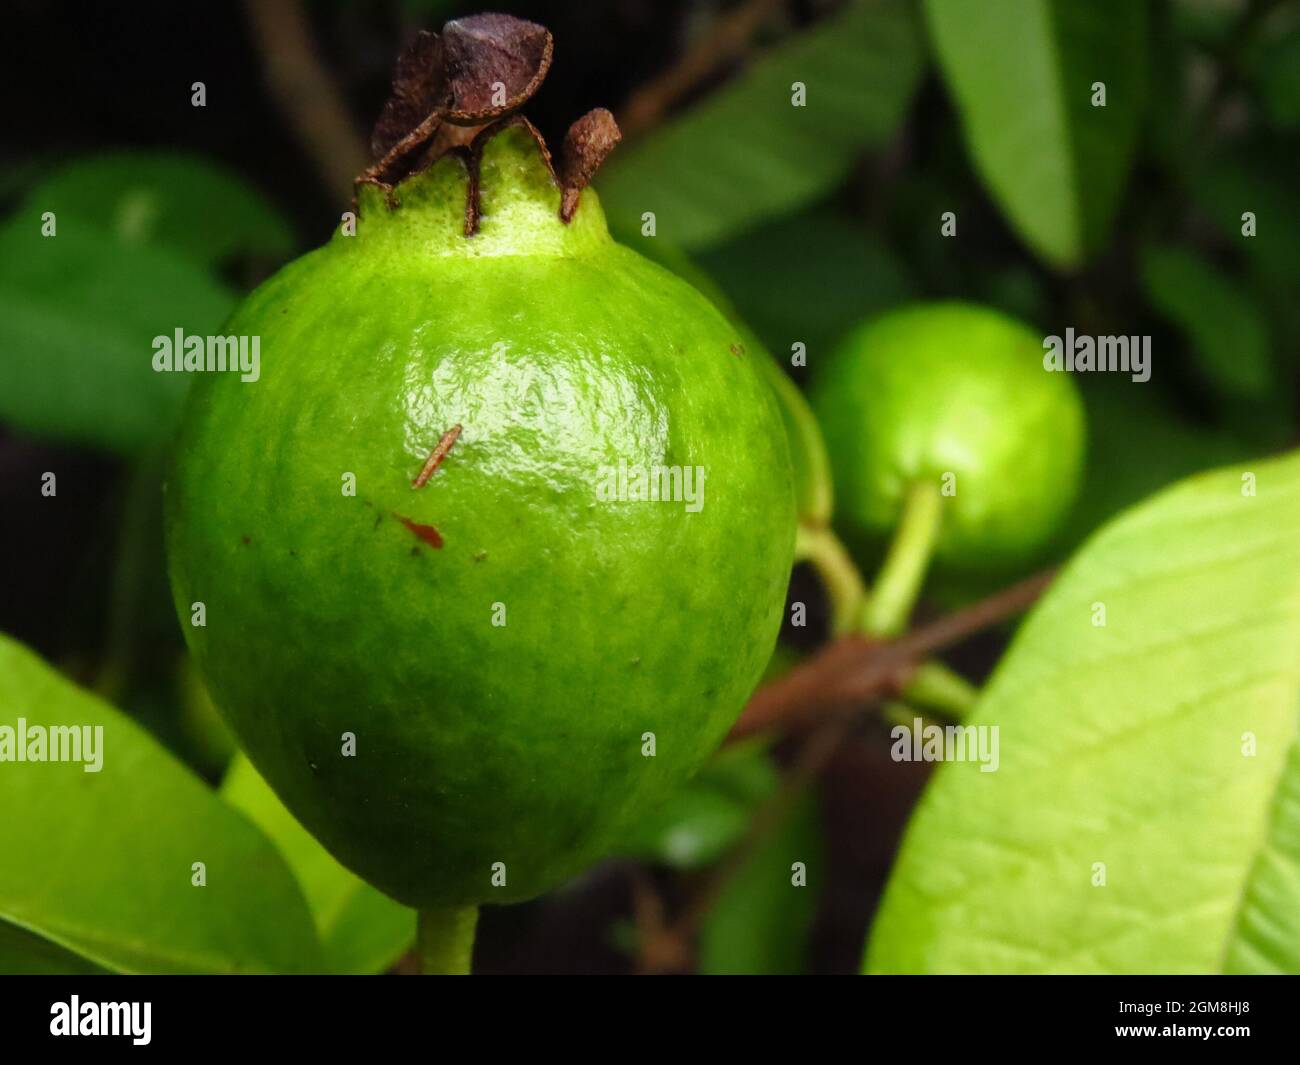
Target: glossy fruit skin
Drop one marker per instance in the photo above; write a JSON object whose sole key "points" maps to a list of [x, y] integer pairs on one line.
{"points": [[560, 353], [940, 388]]}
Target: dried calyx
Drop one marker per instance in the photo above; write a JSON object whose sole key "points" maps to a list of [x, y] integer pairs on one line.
{"points": [[453, 91]]}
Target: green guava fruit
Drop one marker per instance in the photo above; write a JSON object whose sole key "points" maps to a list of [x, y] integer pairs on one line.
{"points": [[955, 395], [529, 656]]}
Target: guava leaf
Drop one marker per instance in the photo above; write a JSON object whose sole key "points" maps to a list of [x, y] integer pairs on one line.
{"points": [[807, 279], [361, 929], [746, 153], [180, 202], [78, 314], [1021, 73], [761, 922], [1157, 753], [1225, 326], [1274, 68], [100, 864], [710, 813], [23, 953]]}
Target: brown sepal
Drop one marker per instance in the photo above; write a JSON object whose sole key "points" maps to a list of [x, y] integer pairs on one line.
{"points": [[480, 69], [586, 145], [493, 66]]}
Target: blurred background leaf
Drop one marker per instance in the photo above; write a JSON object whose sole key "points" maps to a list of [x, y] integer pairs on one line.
{"points": [[78, 315], [1022, 74], [760, 924], [1222, 321], [136, 239], [99, 863], [808, 279], [709, 815], [745, 153], [190, 205]]}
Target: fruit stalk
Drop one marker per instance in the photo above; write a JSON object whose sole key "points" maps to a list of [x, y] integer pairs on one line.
{"points": [[844, 585], [444, 940], [903, 572], [936, 687]]}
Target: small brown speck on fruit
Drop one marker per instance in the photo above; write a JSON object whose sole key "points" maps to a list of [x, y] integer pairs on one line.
{"points": [[738, 349], [427, 533]]}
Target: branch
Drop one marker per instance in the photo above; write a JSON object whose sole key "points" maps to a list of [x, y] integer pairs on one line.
{"points": [[305, 92], [729, 38], [854, 670]]}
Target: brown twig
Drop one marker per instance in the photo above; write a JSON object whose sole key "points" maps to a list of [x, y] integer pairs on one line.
{"points": [[660, 949], [854, 670], [849, 672], [729, 38], [305, 91]]}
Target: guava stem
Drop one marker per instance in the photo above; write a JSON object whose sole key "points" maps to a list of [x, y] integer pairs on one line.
{"points": [[444, 940], [936, 687], [899, 582], [839, 574]]}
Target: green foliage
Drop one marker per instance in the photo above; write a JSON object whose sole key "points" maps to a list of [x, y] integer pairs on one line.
{"points": [[1022, 74], [78, 314], [746, 153], [361, 931], [1161, 744], [709, 815], [761, 922], [190, 205], [135, 239], [1224, 324], [99, 864], [808, 279], [1138, 443]]}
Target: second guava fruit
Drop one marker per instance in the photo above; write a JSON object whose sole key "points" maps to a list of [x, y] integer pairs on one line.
{"points": [[953, 395]]}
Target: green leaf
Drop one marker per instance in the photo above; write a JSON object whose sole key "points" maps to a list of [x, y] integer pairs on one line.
{"points": [[710, 813], [361, 930], [1162, 744], [101, 863], [23, 953], [78, 314], [1275, 70], [807, 279], [184, 203], [1226, 328], [746, 153], [761, 922], [1022, 74]]}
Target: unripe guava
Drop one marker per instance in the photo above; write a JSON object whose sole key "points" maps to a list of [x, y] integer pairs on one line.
{"points": [[956, 395], [528, 656]]}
